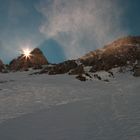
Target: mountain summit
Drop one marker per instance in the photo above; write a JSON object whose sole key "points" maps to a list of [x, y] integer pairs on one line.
{"points": [[36, 60]]}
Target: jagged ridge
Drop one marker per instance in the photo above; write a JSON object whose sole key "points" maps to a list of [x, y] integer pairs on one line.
{"points": [[119, 53]]}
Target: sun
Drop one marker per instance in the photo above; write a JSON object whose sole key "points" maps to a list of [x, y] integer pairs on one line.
{"points": [[26, 53]]}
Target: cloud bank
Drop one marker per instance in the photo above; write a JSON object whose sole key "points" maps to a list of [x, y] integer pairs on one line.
{"points": [[81, 25]]}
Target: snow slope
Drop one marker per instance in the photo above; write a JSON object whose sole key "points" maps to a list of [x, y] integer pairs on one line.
{"points": [[40, 107]]}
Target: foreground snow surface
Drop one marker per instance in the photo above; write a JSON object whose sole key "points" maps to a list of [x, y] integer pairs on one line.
{"points": [[42, 107]]}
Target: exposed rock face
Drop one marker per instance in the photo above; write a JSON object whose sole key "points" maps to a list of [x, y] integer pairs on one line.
{"points": [[122, 52], [36, 60], [78, 70], [60, 68], [1, 66]]}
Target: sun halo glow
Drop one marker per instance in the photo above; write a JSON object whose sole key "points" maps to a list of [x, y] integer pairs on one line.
{"points": [[26, 53]]}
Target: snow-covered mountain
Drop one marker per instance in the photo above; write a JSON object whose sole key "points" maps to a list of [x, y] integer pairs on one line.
{"points": [[47, 103], [124, 52]]}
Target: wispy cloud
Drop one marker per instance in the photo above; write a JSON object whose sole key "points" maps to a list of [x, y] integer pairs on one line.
{"points": [[81, 25]]}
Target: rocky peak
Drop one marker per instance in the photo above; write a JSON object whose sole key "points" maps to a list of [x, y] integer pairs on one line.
{"points": [[37, 51], [36, 60]]}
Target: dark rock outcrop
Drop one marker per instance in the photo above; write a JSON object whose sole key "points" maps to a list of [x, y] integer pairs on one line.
{"points": [[81, 78], [36, 60], [60, 68], [78, 70]]}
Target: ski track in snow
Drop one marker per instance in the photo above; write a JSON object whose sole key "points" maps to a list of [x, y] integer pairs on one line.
{"points": [[112, 109]]}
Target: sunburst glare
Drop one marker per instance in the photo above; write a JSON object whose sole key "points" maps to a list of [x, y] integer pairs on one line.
{"points": [[26, 53]]}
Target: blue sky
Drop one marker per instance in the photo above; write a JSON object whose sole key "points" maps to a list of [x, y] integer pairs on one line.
{"points": [[64, 29]]}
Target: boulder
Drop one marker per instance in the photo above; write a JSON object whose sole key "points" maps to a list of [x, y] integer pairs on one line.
{"points": [[81, 78], [36, 60]]}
